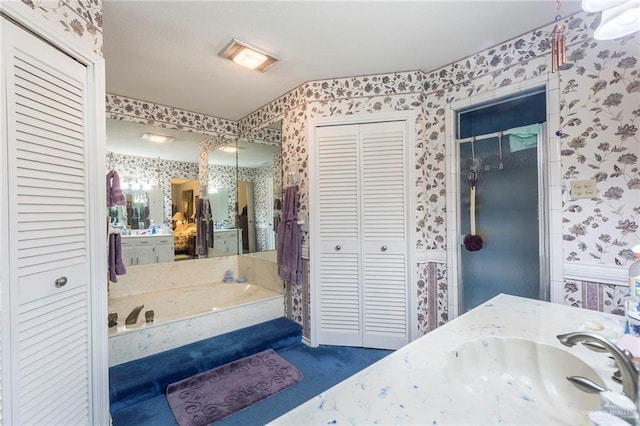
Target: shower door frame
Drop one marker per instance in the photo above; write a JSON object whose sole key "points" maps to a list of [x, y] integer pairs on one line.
{"points": [[549, 177]]}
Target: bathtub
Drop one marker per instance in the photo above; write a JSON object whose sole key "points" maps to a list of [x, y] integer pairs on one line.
{"points": [[187, 314]]}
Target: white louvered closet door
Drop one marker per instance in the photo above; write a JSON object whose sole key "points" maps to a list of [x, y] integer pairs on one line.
{"points": [[362, 235], [338, 247], [383, 218], [49, 269]]}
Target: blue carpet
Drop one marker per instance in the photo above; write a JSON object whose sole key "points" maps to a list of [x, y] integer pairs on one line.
{"points": [[140, 380], [322, 367]]}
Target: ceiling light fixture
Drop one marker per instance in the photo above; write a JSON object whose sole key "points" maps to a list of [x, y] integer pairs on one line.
{"points": [[157, 138], [248, 56], [619, 18], [593, 6]]}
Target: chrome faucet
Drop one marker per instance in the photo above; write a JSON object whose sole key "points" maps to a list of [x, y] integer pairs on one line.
{"points": [[132, 318], [628, 370]]}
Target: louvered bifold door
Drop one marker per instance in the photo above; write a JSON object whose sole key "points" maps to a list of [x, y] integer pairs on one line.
{"points": [[49, 262], [338, 236], [383, 216]]}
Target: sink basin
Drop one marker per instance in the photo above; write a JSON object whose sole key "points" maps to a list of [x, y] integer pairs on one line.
{"points": [[521, 381]]}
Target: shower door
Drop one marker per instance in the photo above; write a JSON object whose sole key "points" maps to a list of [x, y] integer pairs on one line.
{"points": [[506, 202]]}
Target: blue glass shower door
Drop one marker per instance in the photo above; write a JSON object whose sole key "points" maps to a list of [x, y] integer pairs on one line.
{"points": [[507, 220]]}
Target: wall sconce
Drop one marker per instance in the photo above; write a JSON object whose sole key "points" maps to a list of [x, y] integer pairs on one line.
{"points": [[619, 18]]}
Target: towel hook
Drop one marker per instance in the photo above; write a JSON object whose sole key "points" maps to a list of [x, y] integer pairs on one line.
{"points": [[111, 161], [473, 178], [294, 177]]}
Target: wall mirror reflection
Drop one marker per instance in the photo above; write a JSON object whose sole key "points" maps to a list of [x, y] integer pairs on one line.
{"points": [[253, 185], [245, 173]]}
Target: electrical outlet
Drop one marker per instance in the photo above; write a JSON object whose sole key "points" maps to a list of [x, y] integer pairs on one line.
{"points": [[584, 189]]}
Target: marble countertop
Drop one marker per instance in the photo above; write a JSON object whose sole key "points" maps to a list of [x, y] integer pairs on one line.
{"points": [[148, 234], [411, 385]]}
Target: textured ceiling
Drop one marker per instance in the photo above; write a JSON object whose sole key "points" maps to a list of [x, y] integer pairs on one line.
{"points": [[166, 51]]}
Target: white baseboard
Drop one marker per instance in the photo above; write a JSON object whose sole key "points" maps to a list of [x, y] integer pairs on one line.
{"points": [[605, 274], [431, 256]]}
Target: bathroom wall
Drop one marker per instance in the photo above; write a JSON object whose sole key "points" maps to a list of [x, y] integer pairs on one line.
{"points": [[143, 112], [80, 19], [599, 117]]}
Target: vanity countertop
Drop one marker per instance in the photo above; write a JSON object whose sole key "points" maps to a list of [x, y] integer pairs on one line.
{"points": [[411, 386], [147, 235]]}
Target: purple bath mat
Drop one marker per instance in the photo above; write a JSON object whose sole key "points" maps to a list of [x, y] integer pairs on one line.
{"points": [[210, 396]]}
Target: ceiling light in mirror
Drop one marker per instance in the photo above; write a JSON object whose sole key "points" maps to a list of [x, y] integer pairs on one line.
{"points": [[157, 138]]}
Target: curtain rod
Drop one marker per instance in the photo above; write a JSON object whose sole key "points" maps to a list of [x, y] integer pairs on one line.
{"points": [[480, 137]]}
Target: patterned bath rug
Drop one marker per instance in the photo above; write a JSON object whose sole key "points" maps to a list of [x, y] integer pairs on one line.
{"points": [[210, 396]]}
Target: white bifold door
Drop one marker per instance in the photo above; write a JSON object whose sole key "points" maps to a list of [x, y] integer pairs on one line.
{"points": [[360, 238], [45, 277]]}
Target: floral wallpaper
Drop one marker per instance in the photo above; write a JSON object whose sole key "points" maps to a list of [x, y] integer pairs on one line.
{"points": [[81, 19], [599, 119], [600, 297], [261, 197], [152, 170], [137, 111], [432, 297], [600, 141], [599, 116], [225, 177]]}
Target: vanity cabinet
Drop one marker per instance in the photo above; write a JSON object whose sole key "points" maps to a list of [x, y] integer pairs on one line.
{"points": [[228, 241], [140, 250]]}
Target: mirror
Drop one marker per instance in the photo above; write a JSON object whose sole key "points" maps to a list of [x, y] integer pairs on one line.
{"points": [[144, 207], [219, 199], [252, 186], [258, 167], [257, 163]]}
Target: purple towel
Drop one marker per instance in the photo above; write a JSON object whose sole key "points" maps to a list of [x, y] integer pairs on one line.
{"points": [[115, 196], [116, 267], [289, 239], [201, 229]]}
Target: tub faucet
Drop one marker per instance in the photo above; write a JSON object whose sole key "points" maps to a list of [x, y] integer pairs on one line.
{"points": [[628, 370], [132, 318]]}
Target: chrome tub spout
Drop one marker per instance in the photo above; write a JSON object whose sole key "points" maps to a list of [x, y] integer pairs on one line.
{"points": [[628, 370], [132, 318]]}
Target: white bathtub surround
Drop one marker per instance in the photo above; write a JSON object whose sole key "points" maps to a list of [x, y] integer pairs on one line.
{"points": [[165, 276], [261, 267], [186, 315], [420, 384], [190, 303]]}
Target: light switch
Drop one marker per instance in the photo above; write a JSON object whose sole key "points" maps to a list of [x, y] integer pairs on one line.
{"points": [[583, 189]]}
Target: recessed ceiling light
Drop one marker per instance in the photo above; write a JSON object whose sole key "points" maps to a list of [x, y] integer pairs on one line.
{"points": [[157, 138], [248, 56]]}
